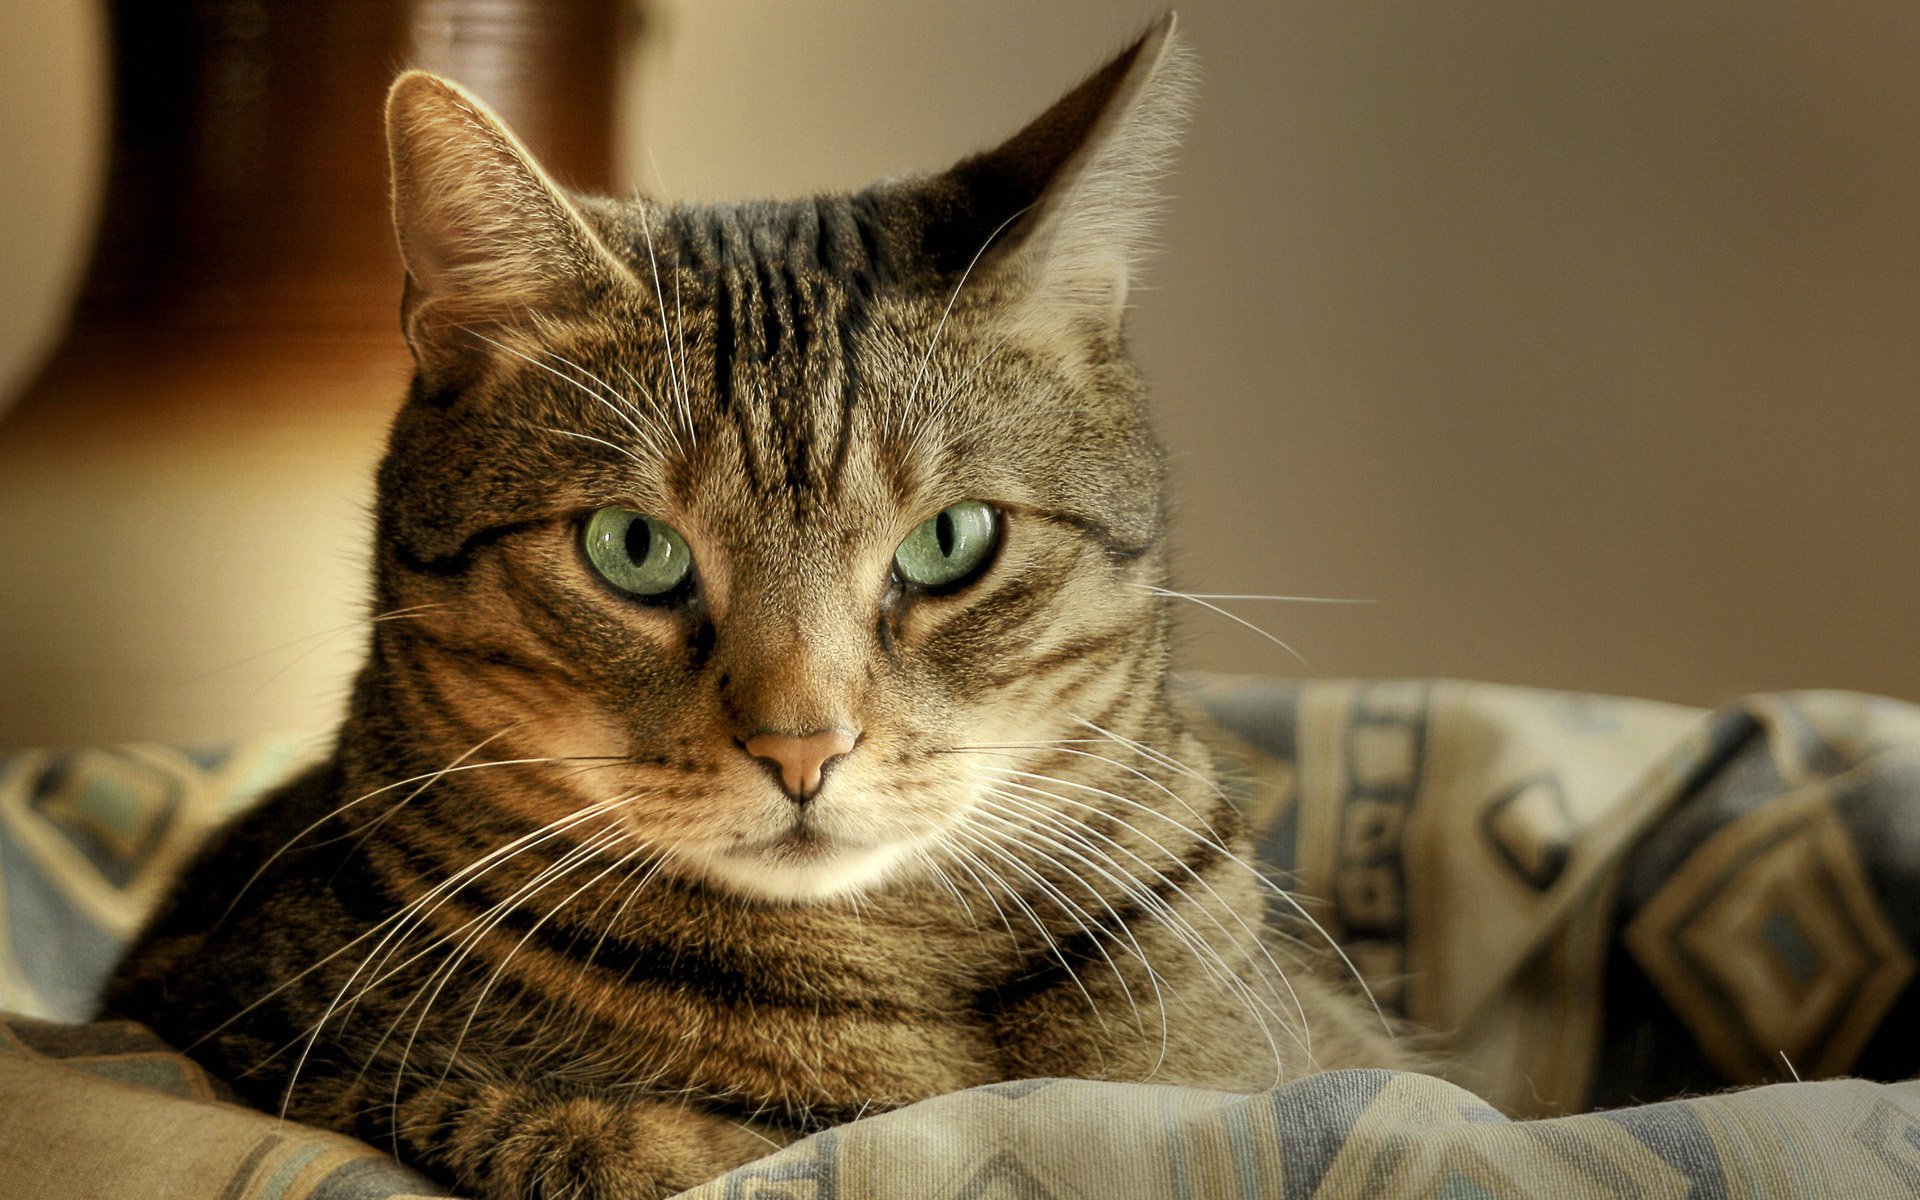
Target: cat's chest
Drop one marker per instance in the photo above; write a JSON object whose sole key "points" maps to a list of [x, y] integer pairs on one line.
{"points": [[801, 1009]]}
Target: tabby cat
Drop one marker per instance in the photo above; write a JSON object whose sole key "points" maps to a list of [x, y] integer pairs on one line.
{"points": [[768, 720]]}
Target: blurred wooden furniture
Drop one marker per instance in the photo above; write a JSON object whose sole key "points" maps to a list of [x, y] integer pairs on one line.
{"points": [[184, 482]]}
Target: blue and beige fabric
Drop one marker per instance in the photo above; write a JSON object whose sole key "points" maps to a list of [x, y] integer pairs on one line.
{"points": [[1594, 903], [89, 842]]}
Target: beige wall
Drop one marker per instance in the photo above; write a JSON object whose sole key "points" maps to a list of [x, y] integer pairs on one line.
{"points": [[1585, 339]]}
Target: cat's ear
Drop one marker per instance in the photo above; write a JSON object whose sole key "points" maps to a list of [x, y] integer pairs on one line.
{"points": [[1066, 206], [488, 238]]}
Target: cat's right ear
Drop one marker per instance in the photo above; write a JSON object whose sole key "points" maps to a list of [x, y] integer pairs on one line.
{"points": [[488, 238]]}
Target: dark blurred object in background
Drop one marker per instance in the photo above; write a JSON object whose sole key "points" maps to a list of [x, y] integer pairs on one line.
{"points": [[244, 294]]}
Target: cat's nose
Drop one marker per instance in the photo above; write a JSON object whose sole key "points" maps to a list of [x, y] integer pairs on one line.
{"points": [[801, 758]]}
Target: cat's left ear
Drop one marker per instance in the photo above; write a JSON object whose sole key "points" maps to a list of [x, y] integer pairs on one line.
{"points": [[1064, 209], [487, 236]]}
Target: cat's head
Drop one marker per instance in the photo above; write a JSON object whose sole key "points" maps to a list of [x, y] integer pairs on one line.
{"points": [[754, 517]]}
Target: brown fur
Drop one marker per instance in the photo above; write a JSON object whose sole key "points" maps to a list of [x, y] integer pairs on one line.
{"points": [[531, 924]]}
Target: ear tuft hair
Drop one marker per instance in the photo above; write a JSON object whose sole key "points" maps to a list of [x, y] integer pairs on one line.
{"points": [[484, 231], [1068, 204]]}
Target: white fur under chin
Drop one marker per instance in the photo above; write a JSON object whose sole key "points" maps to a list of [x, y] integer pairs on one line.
{"points": [[797, 882]]}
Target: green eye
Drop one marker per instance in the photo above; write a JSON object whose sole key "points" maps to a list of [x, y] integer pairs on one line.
{"points": [[636, 553], [950, 547]]}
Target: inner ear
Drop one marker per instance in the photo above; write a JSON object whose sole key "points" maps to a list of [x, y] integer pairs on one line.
{"points": [[1065, 206], [486, 235]]}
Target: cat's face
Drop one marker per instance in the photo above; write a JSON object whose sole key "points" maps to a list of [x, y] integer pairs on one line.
{"points": [[771, 524]]}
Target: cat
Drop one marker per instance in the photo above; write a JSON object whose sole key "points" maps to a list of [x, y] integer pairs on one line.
{"points": [[769, 719]]}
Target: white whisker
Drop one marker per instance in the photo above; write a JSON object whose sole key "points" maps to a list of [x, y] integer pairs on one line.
{"points": [[1218, 848], [647, 437], [1238, 620], [1033, 919], [913, 391], [1146, 587], [676, 373], [587, 437], [1085, 922], [412, 915], [1209, 959]]}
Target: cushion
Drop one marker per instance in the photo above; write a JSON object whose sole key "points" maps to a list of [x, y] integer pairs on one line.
{"points": [[1594, 903]]}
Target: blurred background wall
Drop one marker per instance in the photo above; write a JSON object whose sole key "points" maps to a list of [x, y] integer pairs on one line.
{"points": [[1584, 340]]}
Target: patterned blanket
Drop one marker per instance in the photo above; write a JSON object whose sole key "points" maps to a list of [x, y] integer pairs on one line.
{"points": [[1594, 903]]}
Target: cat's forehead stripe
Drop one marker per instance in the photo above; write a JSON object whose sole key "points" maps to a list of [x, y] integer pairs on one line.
{"points": [[787, 288]]}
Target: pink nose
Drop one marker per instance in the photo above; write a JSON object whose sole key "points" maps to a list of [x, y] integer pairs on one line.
{"points": [[801, 757]]}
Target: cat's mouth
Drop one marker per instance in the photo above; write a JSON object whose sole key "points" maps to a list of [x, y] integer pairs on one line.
{"points": [[802, 841], [801, 862]]}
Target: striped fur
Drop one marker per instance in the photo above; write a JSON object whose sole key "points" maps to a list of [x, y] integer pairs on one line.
{"points": [[532, 924]]}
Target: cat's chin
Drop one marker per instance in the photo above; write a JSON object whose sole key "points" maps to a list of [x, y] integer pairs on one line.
{"points": [[801, 871]]}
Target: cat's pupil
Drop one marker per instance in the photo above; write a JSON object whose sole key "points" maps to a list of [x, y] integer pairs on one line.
{"points": [[943, 532], [639, 540]]}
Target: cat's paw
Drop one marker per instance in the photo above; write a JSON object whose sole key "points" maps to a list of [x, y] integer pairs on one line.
{"points": [[555, 1149], [514, 1146]]}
